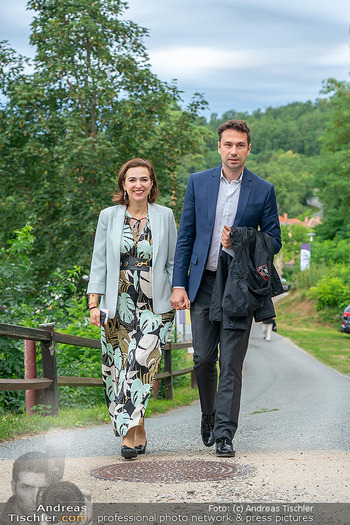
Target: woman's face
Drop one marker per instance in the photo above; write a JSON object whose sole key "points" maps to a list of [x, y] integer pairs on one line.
{"points": [[137, 184]]}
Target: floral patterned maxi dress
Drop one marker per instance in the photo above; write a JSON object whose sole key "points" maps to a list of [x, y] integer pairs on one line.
{"points": [[132, 342]]}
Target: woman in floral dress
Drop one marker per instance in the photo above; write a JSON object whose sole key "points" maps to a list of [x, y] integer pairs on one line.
{"points": [[131, 270]]}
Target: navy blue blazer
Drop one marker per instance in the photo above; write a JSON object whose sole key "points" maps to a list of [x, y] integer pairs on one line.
{"points": [[257, 208]]}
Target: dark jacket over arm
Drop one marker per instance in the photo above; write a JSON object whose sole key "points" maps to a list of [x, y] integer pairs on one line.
{"points": [[246, 282]]}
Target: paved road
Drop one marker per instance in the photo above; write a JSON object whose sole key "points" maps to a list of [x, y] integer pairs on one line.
{"points": [[290, 401]]}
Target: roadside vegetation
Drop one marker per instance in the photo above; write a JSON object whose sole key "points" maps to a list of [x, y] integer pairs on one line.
{"points": [[15, 425], [298, 319]]}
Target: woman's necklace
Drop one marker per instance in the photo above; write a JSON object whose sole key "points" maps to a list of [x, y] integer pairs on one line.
{"points": [[136, 227]]}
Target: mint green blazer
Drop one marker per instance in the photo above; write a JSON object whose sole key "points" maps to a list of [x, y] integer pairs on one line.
{"points": [[105, 264]]}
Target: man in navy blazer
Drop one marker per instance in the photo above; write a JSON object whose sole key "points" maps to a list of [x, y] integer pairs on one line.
{"points": [[215, 200]]}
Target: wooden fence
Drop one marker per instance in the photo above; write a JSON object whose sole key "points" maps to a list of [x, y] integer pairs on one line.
{"points": [[47, 385]]}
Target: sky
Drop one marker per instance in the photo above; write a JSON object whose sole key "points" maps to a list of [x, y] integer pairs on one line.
{"points": [[241, 55]]}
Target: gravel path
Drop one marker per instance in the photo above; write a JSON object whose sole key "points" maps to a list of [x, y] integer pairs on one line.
{"points": [[292, 444]]}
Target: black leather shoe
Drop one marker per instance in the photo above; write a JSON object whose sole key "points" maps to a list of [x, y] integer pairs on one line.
{"points": [[207, 430], [128, 452], [224, 448], [141, 449]]}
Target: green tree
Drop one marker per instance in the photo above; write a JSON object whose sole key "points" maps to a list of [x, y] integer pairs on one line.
{"points": [[292, 176], [89, 104], [293, 235], [295, 127], [335, 251], [333, 176]]}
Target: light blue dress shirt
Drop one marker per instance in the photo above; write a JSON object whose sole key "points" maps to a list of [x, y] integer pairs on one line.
{"points": [[226, 209]]}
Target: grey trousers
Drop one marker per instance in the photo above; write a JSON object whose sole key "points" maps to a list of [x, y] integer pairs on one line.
{"points": [[225, 398]]}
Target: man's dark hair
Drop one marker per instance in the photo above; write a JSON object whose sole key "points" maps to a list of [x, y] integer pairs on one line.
{"points": [[238, 125], [30, 462]]}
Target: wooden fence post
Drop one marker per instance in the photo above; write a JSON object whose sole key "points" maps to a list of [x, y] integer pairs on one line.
{"points": [[30, 373], [155, 388], [168, 381], [49, 396]]}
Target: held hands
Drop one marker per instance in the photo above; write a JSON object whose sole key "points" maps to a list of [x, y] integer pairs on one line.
{"points": [[225, 237], [95, 316], [179, 299]]}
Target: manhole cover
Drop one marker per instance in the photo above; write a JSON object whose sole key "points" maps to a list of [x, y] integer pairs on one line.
{"points": [[167, 471]]}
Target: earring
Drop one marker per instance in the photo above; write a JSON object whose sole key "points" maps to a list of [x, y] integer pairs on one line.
{"points": [[124, 195]]}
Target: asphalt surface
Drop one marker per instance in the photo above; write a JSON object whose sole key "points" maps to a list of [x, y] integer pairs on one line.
{"points": [[290, 401]]}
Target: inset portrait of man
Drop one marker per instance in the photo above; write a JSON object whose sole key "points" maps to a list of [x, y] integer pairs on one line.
{"points": [[30, 476]]}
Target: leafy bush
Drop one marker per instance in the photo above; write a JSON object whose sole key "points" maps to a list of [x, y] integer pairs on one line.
{"points": [[304, 280], [331, 252], [16, 289], [57, 301], [78, 361], [332, 292], [11, 367], [293, 235]]}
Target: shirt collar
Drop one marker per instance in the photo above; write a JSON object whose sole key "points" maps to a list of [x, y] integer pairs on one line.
{"points": [[222, 177]]}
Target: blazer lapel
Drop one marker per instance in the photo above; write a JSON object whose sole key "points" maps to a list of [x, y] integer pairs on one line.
{"points": [[118, 225], [243, 196], [154, 219], [213, 190]]}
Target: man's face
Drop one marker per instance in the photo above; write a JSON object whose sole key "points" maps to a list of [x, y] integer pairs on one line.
{"points": [[26, 489], [234, 150]]}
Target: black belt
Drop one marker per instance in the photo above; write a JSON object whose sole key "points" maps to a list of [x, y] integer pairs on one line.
{"points": [[210, 272], [135, 263]]}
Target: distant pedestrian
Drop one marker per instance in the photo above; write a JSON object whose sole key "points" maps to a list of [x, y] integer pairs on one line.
{"points": [[269, 325]]}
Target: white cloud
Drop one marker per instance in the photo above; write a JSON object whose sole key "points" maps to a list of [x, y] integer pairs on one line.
{"points": [[194, 60], [339, 56]]}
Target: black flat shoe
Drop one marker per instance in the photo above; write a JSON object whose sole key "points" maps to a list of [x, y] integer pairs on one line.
{"points": [[128, 452], [141, 449], [224, 448], [207, 430]]}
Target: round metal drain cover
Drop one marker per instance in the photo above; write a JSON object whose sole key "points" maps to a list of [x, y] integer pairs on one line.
{"points": [[167, 471]]}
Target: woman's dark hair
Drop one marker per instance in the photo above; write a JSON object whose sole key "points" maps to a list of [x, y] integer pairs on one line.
{"points": [[119, 197]]}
